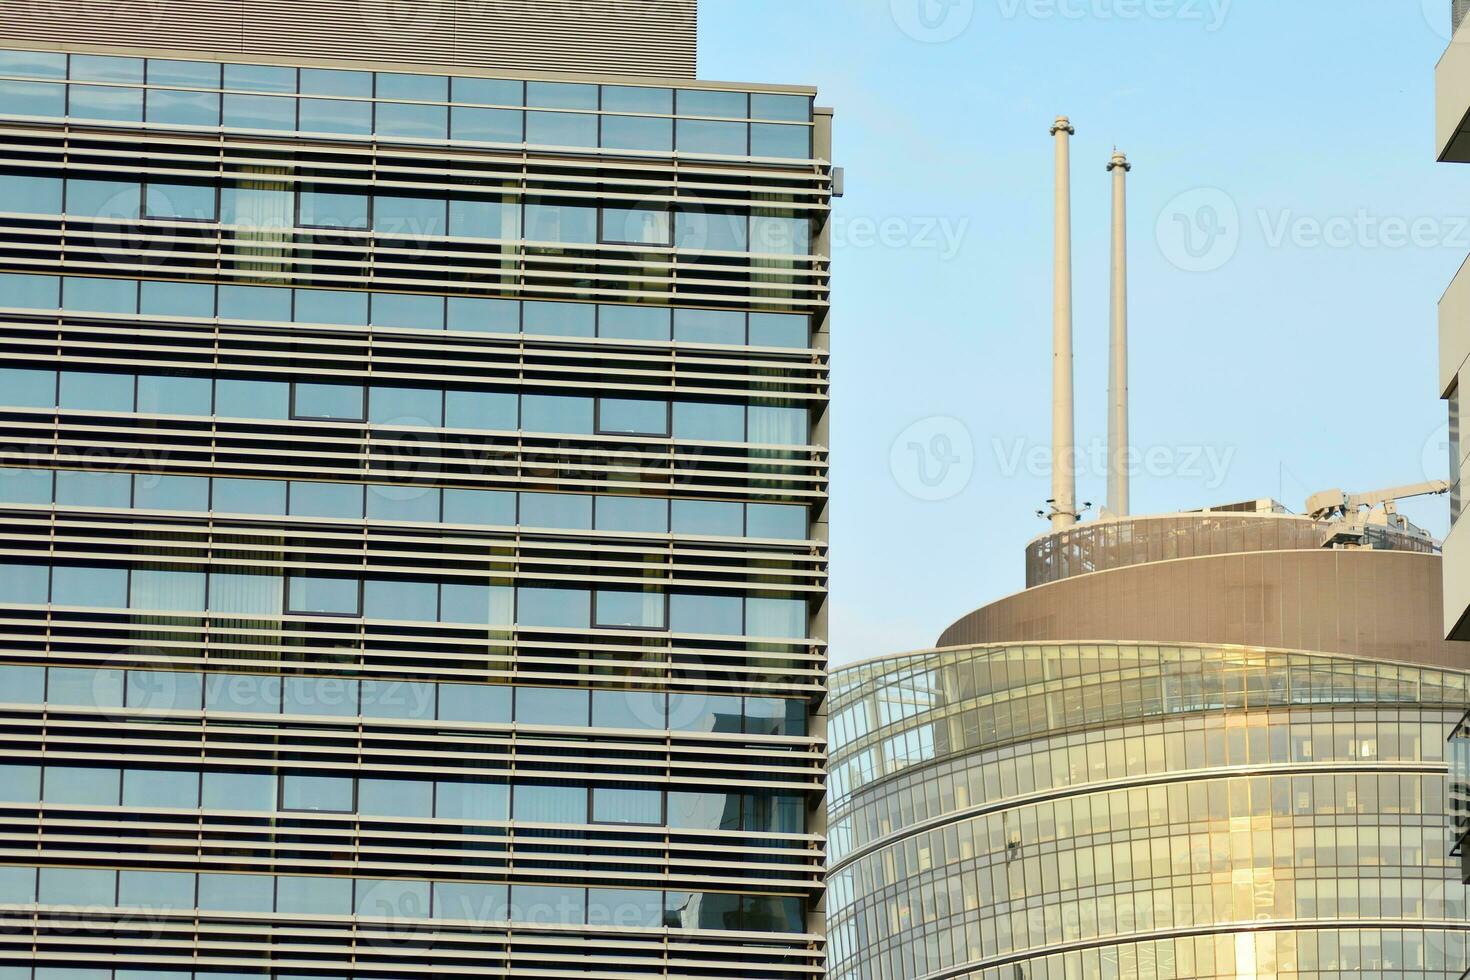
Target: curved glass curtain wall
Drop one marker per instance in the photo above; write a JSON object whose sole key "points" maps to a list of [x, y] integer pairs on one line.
{"points": [[1126, 810]]}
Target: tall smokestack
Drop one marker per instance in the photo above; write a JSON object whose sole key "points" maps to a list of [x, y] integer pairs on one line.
{"points": [[1118, 348], [1064, 459]]}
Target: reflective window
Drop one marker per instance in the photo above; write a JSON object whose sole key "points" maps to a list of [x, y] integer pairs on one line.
{"points": [[75, 785], [23, 486], [395, 798], [492, 605], [78, 886], [387, 503], [92, 587], [335, 116], [785, 522], [487, 125], [20, 784], [489, 91], [235, 398], [153, 491], [637, 98], [397, 699], [471, 800], [394, 900], [32, 99], [778, 425], [268, 112], [703, 811], [636, 515], [548, 905], [407, 312], [483, 315], [107, 103], [779, 330], [258, 694], [498, 410], [481, 703], [328, 81], [426, 122], [33, 64], [641, 710], [415, 407], [323, 794], [236, 893], [786, 108], [175, 395], [30, 292], [169, 789], [778, 235], [571, 414], [401, 600], [339, 500], [561, 95], [775, 716], [335, 697], [251, 594], [106, 68], [239, 791], [491, 507], [713, 231], [336, 306], [100, 296], [314, 896], [560, 319], [548, 803], [93, 488], [553, 608], [270, 304], [28, 387], [715, 615], [561, 129], [709, 422], [17, 887], [637, 226], [785, 618], [258, 206], [552, 706], [166, 590], [110, 200], [633, 322], [158, 690], [776, 140], [572, 223], [331, 209], [471, 902], [414, 216], [726, 105], [155, 890], [260, 78], [631, 610], [556, 510], [184, 74], [96, 392], [323, 595], [24, 584], [627, 806], [191, 299], [22, 685], [704, 136], [86, 687], [707, 517], [243, 496], [183, 108], [327, 401], [486, 218], [25, 194]]}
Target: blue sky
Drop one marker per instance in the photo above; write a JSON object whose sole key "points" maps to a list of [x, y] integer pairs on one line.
{"points": [[1287, 346]]}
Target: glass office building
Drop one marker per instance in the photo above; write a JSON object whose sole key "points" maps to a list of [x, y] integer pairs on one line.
{"points": [[414, 502], [1226, 758]]}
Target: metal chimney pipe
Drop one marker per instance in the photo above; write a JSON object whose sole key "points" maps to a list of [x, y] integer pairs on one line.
{"points": [[1063, 437], [1118, 503]]}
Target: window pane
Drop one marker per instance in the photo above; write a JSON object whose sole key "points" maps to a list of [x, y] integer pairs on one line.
{"points": [[634, 132], [779, 330], [331, 81], [778, 425], [27, 194], [183, 108], [78, 886], [770, 913], [492, 605], [395, 798], [246, 792], [708, 517], [28, 388], [165, 690], [407, 312], [170, 789], [398, 699], [32, 99], [703, 136], [193, 299], [704, 811], [556, 510], [86, 391], [393, 900], [427, 122], [334, 697], [335, 116], [110, 199], [105, 102], [637, 98], [776, 140], [401, 600], [471, 902], [548, 905], [269, 112], [486, 218], [637, 226], [636, 515], [552, 706], [778, 235], [314, 896], [340, 500], [155, 890], [260, 78], [22, 685], [252, 594], [93, 488], [236, 893], [319, 594], [542, 803], [153, 491], [632, 416], [481, 703], [487, 125], [471, 800], [420, 504], [709, 421], [776, 617], [484, 315], [784, 522], [712, 231], [336, 306], [714, 615], [633, 322], [30, 292], [624, 908], [85, 687], [168, 591], [561, 222], [709, 327], [627, 806], [726, 105], [257, 694], [561, 319], [328, 401], [240, 399], [481, 410], [259, 206], [418, 88], [33, 64], [20, 784], [561, 95], [164, 395], [106, 68], [775, 716], [324, 794], [393, 215], [270, 304], [787, 108], [489, 91], [416, 407], [185, 74], [706, 713], [332, 209], [76, 785], [238, 496], [553, 608], [633, 610], [100, 296], [570, 414], [94, 587], [639, 710], [491, 507], [17, 887], [24, 584]]}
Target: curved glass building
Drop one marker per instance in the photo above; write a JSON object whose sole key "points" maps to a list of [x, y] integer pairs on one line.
{"points": [[1220, 754]]}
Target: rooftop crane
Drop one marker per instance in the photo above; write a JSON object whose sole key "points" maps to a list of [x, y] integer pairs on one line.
{"points": [[1353, 513]]}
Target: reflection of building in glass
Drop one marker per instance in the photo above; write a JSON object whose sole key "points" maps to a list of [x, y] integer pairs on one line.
{"points": [[1203, 746], [414, 495]]}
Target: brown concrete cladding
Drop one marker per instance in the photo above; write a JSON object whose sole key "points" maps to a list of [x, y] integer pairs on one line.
{"points": [[618, 37], [1379, 604]]}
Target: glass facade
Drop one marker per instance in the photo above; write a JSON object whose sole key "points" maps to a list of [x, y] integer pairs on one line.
{"points": [[1134, 810], [415, 523]]}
